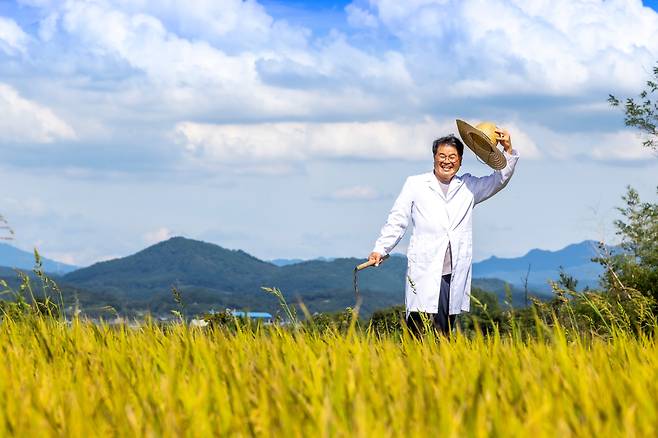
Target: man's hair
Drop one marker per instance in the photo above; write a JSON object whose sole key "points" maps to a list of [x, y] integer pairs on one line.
{"points": [[448, 140]]}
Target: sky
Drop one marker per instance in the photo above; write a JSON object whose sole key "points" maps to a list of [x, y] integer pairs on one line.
{"points": [[286, 128]]}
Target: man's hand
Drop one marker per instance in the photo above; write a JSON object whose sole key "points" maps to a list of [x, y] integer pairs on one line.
{"points": [[504, 139], [376, 257]]}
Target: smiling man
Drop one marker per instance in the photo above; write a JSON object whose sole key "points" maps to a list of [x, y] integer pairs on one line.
{"points": [[439, 206]]}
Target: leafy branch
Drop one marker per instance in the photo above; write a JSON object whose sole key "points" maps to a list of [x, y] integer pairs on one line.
{"points": [[643, 113]]}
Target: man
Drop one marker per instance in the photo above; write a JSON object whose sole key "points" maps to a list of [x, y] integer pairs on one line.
{"points": [[439, 206]]}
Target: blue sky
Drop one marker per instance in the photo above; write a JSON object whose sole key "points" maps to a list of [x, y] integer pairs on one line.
{"points": [[287, 128]]}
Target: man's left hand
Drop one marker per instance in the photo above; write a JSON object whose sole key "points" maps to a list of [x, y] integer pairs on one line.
{"points": [[504, 139]]}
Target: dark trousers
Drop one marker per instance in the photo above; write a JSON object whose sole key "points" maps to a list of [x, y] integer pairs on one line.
{"points": [[441, 321]]}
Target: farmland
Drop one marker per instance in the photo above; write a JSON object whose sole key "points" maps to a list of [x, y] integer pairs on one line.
{"points": [[83, 379]]}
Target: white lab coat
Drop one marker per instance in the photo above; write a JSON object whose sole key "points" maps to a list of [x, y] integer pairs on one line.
{"points": [[436, 220]]}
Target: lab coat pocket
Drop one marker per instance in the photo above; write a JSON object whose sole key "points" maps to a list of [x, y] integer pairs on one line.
{"points": [[420, 256], [419, 261], [416, 273]]}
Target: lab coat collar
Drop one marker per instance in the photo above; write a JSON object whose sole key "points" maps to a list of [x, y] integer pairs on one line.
{"points": [[433, 183]]}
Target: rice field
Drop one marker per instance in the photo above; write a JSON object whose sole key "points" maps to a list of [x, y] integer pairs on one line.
{"points": [[81, 379]]}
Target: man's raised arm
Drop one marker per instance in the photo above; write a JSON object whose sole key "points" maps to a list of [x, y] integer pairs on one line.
{"points": [[485, 187]]}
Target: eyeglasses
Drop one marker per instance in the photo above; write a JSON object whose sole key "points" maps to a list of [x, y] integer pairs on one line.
{"points": [[453, 158]]}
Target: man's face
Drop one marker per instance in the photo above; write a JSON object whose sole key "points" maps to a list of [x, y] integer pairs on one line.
{"points": [[446, 162]]}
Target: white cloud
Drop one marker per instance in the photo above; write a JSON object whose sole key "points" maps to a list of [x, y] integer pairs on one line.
{"points": [[12, 37], [355, 193], [231, 24], [40, 3], [68, 258], [359, 17], [48, 27], [33, 207], [157, 235], [252, 143], [275, 144], [622, 145], [145, 44], [25, 121], [240, 85], [562, 47], [188, 76], [82, 258], [298, 141]]}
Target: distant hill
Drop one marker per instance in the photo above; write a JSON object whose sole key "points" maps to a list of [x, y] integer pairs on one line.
{"points": [[285, 262], [210, 276], [10, 276], [544, 265], [16, 258], [177, 261]]}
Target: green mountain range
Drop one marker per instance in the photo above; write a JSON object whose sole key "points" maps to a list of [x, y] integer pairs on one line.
{"points": [[211, 277]]}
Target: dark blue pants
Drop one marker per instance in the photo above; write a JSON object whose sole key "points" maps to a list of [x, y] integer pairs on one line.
{"points": [[442, 320]]}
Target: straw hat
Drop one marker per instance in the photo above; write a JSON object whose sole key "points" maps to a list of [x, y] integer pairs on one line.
{"points": [[481, 139]]}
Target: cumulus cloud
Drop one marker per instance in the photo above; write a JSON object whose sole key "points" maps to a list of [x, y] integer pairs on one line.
{"points": [[296, 141], [240, 85], [359, 17], [622, 145], [267, 142], [610, 147], [274, 144], [251, 67], [233, 25], [81, 258], [25, 121], [562, 47], [68, 258], [32, 206], [48, 27], [12, 38], [354, 193], [157, 235]]}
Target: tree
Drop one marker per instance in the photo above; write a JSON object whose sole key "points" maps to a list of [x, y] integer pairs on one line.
{"points": [[566, 281], [643, 114], [636, 264]]}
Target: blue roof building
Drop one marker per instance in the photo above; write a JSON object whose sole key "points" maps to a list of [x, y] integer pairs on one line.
{"points": [[253, 315]]}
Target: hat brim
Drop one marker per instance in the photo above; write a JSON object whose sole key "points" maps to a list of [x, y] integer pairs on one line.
{"points": [[480, 144]]}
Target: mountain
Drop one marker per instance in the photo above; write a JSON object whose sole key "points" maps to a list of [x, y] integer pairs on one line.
{"points": [[285, 262], [177, 261], [545, 265], [12, 279], [211, 276], [207, 275], [15, 258]]}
